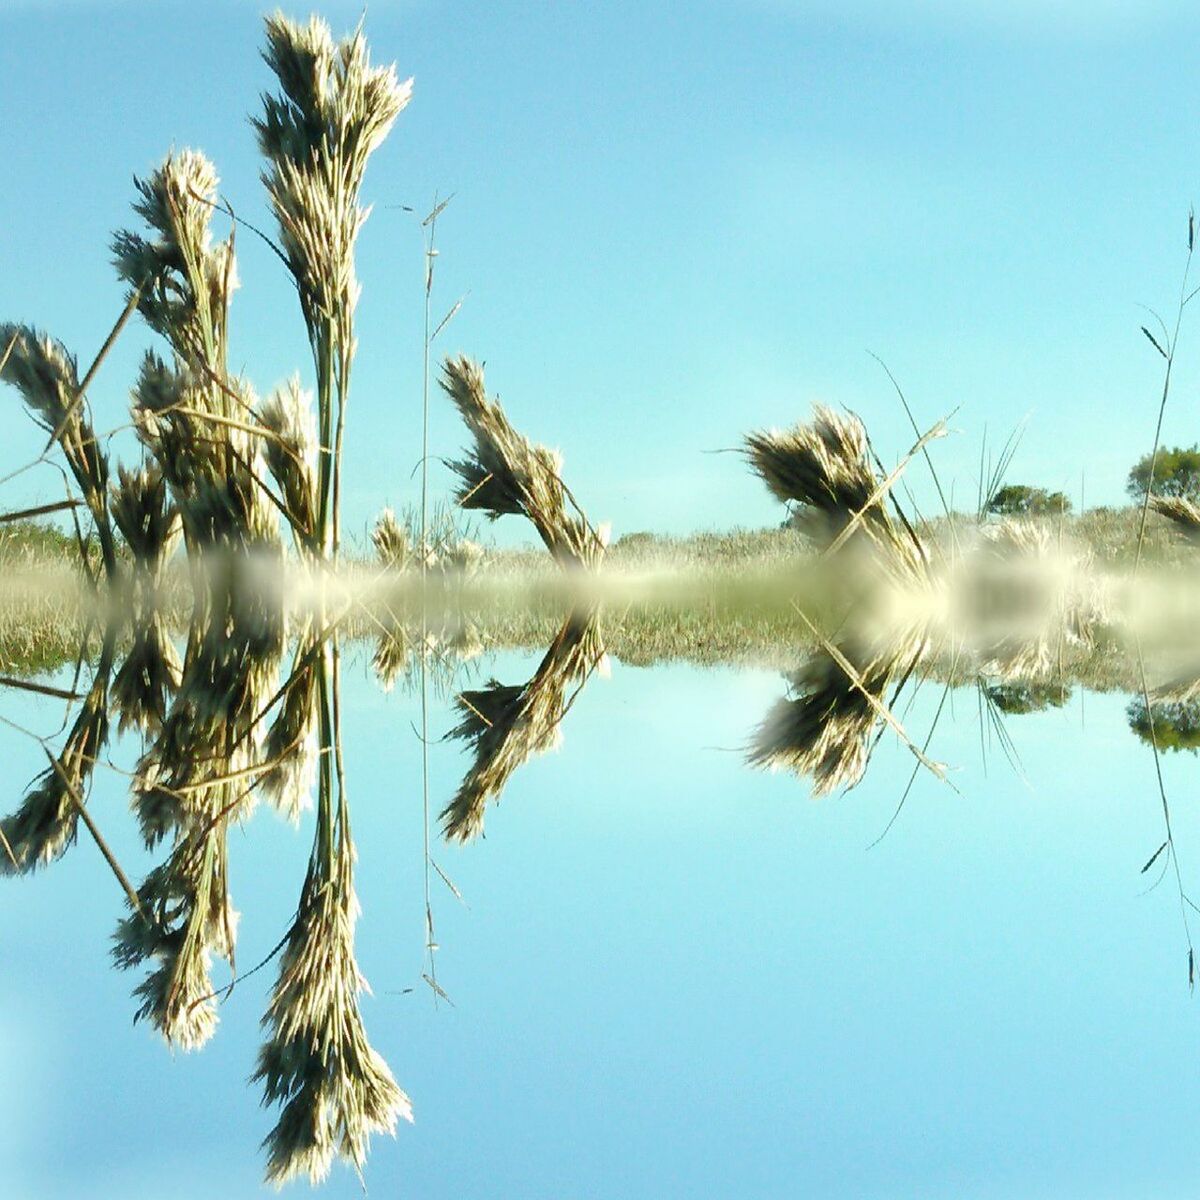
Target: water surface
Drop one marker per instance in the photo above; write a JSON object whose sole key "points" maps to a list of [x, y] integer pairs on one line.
{"points": [[669, 974]]}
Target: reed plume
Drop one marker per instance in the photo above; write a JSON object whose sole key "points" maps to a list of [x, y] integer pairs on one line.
{"points": [[148, 520], [291, 748], [334, 1089], [46, 375], [184, 918], [1183, 513], [508, 474], [394, 652], [291, 454], [44, 827], [195, 418], [824, 466], [333, 111], [391, 540], [507, 725], [149, 676]]}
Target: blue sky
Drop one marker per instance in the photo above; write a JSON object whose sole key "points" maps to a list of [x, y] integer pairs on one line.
{"points": [[674, 223]]}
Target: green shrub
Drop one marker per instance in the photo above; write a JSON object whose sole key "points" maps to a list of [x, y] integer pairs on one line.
{"points": [[1176, 473], [1021, 500]]}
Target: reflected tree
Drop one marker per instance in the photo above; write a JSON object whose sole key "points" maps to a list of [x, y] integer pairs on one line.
{"points": [[1017, 698], [1169, 724]]}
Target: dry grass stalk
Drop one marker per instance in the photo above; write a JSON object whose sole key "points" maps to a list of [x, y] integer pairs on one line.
{"points": [[508, 474], [46, 376], [1183, 513], [45, 825], [333, 111], [334, 1089], [825, 467], [508, 725], [826, 730]]}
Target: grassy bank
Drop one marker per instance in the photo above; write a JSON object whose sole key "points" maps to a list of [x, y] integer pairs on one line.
{"points": [[724, 614]]}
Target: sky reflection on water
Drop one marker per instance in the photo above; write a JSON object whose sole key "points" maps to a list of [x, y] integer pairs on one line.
{"points": [[675, 976]]}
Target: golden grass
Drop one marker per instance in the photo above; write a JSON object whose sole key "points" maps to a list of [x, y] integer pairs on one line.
{"points": [[508, 474], [505, 726]]}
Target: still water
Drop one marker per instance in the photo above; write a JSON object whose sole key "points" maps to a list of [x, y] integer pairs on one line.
{"points": [[669, 974]]}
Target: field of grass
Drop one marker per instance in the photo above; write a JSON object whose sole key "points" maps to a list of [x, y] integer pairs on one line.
{"points": [[40, 621], [1109, 533], [720, 612]]}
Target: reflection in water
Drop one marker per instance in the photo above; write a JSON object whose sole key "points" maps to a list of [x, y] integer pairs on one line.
{"points": [[1017, 699], [1168, 717], [45, 825], [223, 732], [250, 711], [825, 728], [334, 1088], [506, 725]]}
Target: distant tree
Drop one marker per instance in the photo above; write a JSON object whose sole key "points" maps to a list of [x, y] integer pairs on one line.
{"points": [[1021, 500], [1176, 473], [1176, 723]]}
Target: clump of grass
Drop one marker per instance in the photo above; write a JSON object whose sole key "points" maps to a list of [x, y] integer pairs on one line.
{"points": [[508, 474], [824, 466], [449, 545], [333, 111]]}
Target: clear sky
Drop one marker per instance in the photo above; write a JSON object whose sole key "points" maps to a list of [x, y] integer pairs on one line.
{"points": [[674, 221]]}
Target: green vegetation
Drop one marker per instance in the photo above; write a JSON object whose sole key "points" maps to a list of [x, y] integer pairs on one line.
{"points": [[1176, 723], [32, 544], [1176, 473], [224, 464], [1017, 699], [1021, 500]]}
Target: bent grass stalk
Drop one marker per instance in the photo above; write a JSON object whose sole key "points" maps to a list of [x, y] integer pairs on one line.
{"points": [[1168, 353]]}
